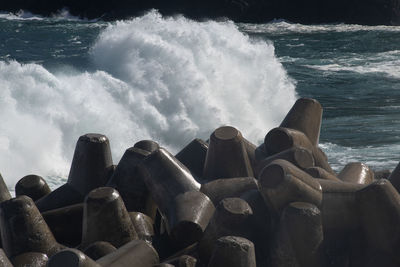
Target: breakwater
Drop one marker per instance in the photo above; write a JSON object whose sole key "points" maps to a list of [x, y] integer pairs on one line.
{"points": [[224, 202]]}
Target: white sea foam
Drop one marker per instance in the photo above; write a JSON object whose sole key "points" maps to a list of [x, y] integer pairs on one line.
{"points": [[376, 157], [285, 27], [62, 14], [20, 15], [385, 63], [167, 79]]}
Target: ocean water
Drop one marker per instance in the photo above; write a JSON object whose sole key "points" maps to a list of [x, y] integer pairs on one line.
{"points": [[173, 79]]}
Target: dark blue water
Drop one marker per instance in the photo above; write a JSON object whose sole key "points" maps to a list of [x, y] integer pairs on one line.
{"points": [[51, 43], [79, 72], [352, 70]]}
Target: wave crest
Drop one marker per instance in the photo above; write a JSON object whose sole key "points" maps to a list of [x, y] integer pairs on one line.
{"points": [[167, 79]]}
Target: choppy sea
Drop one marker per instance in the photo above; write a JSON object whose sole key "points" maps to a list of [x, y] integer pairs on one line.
{"points": [[174, 79]]}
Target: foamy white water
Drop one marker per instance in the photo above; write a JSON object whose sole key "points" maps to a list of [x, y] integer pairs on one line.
{"points": [[169, 80], [21, 15], [385, 63], [62, 14], [285, 27], [377, 158]]}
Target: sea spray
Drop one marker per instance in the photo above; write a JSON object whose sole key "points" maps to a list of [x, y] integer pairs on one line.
{"points": [[196, 75], [22, 15], [167, 79]]}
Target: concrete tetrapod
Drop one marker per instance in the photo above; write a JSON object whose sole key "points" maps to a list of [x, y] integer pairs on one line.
{"points": [[280, 139], [99, 249], [63, 196], [147, 145], [260, 223], [182, 261], [305, 116], [340, 220], [89, 169], [251, 153], [32, 186], [71, 258], [299, 156], [4, 193], [320, 173], [166, 177], [261, 153], [188, 251], [66, 224], [90, 163], [189, 216], [394, 177], [143, 225], [168, 180], [23, 229], [129, 183], [168, 249], [136, 253], [227, 155], [382, 174], [281, 183], [231, 187], [339, 206], [321, 160], [233, 251], [193, 156], [4, 261], [299, 237], [379, 207], [232, 217], [356, 172], [105, 218], [35, 259]]}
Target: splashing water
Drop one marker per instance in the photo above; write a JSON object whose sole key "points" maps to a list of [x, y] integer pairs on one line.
{"points": [[166, 79]]}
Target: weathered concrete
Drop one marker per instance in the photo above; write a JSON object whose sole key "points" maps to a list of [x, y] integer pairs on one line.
{"points": [[320, 173], [356, 172], [233, 251], [227, 155], [299, 156], [135, 253], [130, 184], [32, 186], [4, 261], [282, 183], [71, 258], [232, 187], [66, 224], [232, 217], [281, 138], [379, 209], [193, 156], [4, 193], [299, 237], [91, 167], [23, 229], [35, 259], [99, 249], [305, 116], [143, 225], [105, 218]]}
